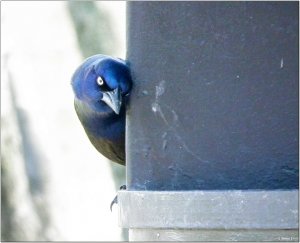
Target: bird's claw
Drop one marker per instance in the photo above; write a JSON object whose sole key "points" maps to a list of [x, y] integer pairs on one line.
{"points": [[115, 201]]}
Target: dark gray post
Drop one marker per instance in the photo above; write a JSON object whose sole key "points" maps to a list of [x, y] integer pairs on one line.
{"points": [[214, 107]]}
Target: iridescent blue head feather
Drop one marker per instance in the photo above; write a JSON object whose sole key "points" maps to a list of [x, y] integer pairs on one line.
{"points": [[102, 82]]}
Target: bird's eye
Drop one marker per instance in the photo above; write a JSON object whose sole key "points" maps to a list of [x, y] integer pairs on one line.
{"points": [[100, 81]]}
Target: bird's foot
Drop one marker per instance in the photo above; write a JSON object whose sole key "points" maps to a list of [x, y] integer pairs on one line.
{"points": [[115, 201]]}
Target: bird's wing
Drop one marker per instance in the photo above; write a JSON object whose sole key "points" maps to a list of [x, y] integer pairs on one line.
{"points": [[113, 150]]}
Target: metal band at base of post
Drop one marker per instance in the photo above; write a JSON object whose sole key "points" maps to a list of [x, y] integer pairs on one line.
{"points": [[212, 235], [210, 215]]}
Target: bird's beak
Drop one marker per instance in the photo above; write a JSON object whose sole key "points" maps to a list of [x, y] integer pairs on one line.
{"points": [[113, 99]]}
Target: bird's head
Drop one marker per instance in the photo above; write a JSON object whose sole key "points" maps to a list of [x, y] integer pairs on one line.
{"points": [[102, 82]]}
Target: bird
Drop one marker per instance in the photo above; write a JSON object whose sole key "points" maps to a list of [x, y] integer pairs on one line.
{"points": [[101, 86]]}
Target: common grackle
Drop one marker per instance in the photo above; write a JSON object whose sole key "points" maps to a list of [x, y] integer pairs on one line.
{"points": [[101, 85]]}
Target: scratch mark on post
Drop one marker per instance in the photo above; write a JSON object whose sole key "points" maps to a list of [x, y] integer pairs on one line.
{"points": [[160, 89], [187, 149], [157, 109], [165, 143], [281, 63]]}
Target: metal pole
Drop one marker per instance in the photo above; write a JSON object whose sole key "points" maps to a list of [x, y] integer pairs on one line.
{"points": [[214, 109]]}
